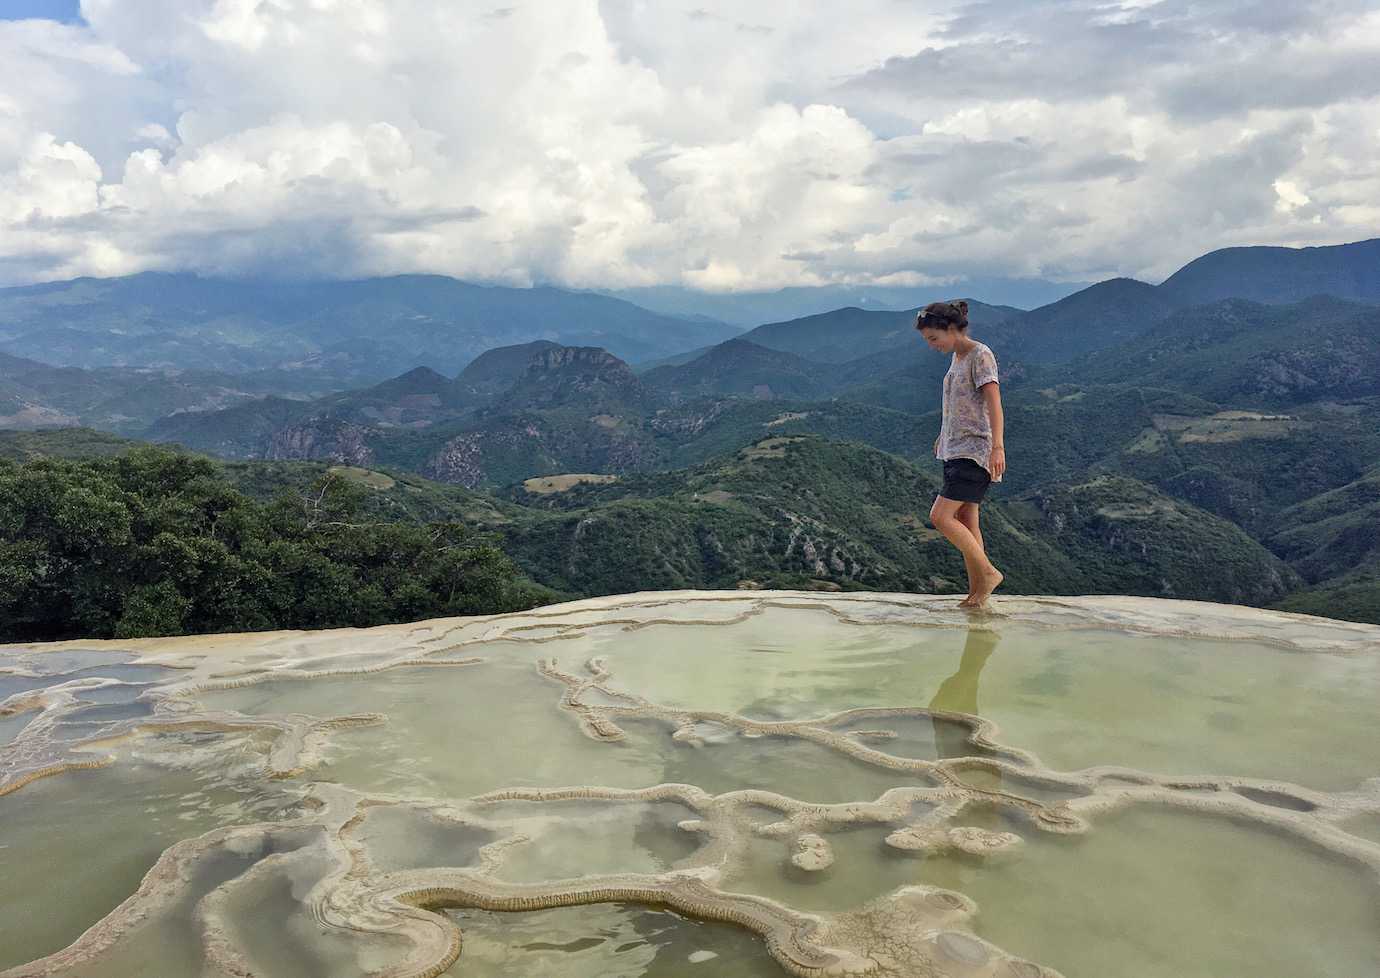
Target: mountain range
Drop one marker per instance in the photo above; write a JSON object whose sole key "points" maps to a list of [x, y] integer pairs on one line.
{"points": [[319, 334], [1229, 410], [1269, 274], [782, 305]]}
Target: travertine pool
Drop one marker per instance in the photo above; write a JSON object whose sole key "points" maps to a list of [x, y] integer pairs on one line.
{"points": [[703, 783]]}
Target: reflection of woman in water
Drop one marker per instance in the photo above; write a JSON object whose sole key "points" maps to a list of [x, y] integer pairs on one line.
{"points": [[958, 694]]}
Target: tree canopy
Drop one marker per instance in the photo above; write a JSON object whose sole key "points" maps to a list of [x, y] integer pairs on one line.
{"points": [[157, 542]]}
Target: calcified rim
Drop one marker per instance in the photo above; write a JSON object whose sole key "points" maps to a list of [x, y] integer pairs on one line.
{"points": [[914, 930], [1154, 616]]}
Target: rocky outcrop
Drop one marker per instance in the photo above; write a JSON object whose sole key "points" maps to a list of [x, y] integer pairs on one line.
{"points": [[1344, 367], [494, 371], [688, 420], [564, 374], [345, 444], [460, 461]]}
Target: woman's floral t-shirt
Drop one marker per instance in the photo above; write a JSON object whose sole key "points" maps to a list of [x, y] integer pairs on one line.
{"points": [[966, 431]]}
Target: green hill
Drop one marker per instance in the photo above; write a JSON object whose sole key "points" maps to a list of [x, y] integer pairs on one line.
{"points": [[1279, 275], [804, 511], [1354, 596], [1250, 354], [741, 367], [1243, 465], [67, 443], [1332, 534], [1131, 539], [790, 510], [1257, 463], [496, 370], [784, 512], [587, 377], [1096, 318]]}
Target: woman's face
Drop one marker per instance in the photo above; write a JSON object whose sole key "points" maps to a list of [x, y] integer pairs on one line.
{"points": [[942, 340]]}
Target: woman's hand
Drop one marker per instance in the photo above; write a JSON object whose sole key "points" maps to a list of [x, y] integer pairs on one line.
{"points": [[936, 448], [997, 464]]}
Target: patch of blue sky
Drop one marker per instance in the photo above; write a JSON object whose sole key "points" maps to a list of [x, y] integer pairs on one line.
{"points": [[66, 11]]}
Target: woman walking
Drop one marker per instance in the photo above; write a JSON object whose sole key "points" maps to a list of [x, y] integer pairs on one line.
{"points": [[970, 441]]}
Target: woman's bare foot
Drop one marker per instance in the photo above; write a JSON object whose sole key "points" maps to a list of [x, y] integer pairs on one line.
{"points": [[988, 583], [967, 602]]}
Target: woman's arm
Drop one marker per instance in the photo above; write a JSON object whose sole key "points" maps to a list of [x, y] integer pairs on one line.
{"points": [[991, 396]]}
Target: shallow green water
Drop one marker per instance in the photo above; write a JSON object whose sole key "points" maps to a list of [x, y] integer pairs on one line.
{"points": [[1155, 894], [169, 943], [606, 941], [11, 727], [1366, 826], [81, 842], [1152, 894], [406, 838], [1076, 698], [438, 718], [274, 926], [595, 839]]}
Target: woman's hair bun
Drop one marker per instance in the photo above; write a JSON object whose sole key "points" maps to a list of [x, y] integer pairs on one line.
{"points": [[944, 315]]}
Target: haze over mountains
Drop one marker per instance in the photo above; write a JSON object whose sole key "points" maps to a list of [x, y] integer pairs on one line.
{"points": [[1241, 396], [752, 308], [318, 333]]}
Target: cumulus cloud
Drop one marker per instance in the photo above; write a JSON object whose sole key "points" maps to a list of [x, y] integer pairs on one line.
{"points": [[614, 143]]}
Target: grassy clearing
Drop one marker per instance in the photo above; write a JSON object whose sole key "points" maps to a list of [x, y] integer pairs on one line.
{"points": [[364, 477], [546, 484]]}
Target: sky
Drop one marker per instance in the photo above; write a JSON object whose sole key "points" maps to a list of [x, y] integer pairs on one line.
{"points": [[710, 145], [67, 11]]}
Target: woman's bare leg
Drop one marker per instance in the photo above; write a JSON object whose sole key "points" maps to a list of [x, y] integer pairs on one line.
{"points": [[944, 516], [968, 516]]}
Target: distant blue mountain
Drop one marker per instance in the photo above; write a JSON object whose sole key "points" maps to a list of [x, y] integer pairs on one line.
{"points": [[1262, 274], [343, 333], [755, 308], [1279, 275]]}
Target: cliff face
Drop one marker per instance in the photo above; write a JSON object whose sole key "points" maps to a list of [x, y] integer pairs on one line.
{"points": [[322, 439], [460, 461], [1348, 365]]}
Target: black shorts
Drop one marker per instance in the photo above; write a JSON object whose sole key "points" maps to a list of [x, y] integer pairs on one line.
{"points": [[964, 480]]}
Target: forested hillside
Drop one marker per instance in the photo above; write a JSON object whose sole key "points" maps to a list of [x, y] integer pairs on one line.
{"points": [[154, 542]]}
